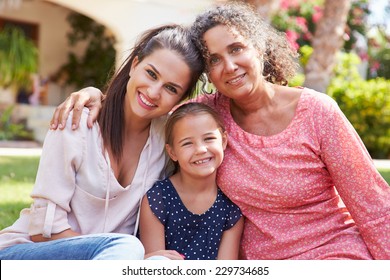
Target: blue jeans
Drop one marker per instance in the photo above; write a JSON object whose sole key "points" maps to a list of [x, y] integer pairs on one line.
{"points": [[103, 246]]}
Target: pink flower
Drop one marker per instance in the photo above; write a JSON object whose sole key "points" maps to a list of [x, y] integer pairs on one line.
{"points": [[317, 15], [292, 37], [287, 4], [302, 23], [284, 4], [375, 66], [363, 56]]}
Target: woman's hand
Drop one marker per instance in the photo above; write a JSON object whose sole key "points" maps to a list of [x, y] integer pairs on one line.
{"points": [[89, 97], [170, 254]]}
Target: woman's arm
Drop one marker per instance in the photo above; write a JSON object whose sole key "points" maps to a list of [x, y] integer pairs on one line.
{"points": [[65, 234], [230, 242], [55, 184], [90, 97], [152, 234], [363, 190]]}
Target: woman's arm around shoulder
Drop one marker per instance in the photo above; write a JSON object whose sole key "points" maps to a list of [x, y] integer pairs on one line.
{"points": [[89, 97]]}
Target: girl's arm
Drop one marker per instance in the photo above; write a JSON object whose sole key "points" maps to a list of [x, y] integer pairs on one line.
{"points": [[152, 234], [230, 242]]}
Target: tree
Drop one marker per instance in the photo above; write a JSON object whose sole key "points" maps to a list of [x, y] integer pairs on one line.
{"points": [[327, 41]]}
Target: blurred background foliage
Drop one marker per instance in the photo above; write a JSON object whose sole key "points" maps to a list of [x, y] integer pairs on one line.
{"points": [[360, 82]]}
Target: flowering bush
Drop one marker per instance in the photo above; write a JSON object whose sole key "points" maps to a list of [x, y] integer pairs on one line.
{"points": [[298, 19]]}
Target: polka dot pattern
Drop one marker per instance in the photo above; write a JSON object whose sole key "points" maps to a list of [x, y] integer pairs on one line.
{"points": [[195, 236]]}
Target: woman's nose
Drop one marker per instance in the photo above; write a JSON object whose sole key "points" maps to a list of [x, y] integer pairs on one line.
{"points": [[229, 66], [154, 91]]}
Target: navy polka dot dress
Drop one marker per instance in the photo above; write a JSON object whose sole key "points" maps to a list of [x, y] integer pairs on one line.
{"points": [[195, 236]]}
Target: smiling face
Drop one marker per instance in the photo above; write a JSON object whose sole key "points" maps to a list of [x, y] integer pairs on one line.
{"points": [[156, 84], [197, 145], [234, 65]]}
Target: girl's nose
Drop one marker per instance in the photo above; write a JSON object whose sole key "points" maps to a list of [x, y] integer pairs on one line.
{"points": [[201, 148]]}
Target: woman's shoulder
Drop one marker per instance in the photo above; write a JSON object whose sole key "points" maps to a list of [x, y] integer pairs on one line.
{"points": [[317, 98]]}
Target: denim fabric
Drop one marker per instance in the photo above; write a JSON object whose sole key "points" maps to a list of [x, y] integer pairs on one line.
{"points": [[105, 246]]}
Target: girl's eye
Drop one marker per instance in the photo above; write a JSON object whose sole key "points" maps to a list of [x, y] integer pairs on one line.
{"points": [[152, 74], [186, 144], [209, 139], [171, 88]]}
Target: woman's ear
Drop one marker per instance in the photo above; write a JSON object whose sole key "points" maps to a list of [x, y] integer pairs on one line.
{"points": [[133, 64], [170, 152]]}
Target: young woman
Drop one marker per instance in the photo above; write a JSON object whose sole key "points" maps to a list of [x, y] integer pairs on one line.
{"points": [[187, 212], [294, 164], [90, 183]]}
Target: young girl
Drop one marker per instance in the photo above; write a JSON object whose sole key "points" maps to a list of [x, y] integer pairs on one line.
{"points": [[187, 212]]}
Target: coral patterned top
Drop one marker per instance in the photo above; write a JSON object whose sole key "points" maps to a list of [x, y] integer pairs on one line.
{"points": [[289, 186]]}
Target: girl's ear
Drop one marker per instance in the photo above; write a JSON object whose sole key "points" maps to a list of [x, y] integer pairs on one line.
{"points": [[170, 152], [133, 64], [224, 139]]}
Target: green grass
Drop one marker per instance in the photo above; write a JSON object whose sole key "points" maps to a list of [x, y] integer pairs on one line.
{"points": [[385, 173], [17, 176]]}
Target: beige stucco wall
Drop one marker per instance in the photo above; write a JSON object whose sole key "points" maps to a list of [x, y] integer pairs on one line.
{"points": [[126, 19]]}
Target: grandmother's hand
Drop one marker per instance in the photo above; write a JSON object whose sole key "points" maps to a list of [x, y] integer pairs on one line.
{"points": [[89, 97]]}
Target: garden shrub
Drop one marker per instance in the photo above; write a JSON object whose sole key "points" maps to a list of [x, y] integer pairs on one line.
{"points": [[365, 103]]}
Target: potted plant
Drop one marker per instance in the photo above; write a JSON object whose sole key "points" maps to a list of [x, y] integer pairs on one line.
{"points": [[19, 60]]}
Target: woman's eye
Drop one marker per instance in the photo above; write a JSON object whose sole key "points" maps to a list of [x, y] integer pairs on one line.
{"points": [[213, 60], [171, 88], [236, 49], [152, 74]]}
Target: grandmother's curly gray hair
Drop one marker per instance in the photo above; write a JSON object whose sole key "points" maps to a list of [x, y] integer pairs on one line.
{"points": [[279, 58]]}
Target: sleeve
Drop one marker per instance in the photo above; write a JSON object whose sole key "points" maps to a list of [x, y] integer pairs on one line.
{"points": [[233, 213], [363, 190], [56, 180], [156, 202]]}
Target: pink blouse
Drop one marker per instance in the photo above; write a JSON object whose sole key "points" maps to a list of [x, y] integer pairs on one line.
{"points": [[289, 186]]}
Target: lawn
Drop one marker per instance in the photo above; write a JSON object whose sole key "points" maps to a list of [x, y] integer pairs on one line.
{"points": [[17, 176]]}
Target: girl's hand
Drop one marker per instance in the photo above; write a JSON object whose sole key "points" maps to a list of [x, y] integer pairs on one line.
{"points": [[170, 254], [89, 97]]}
